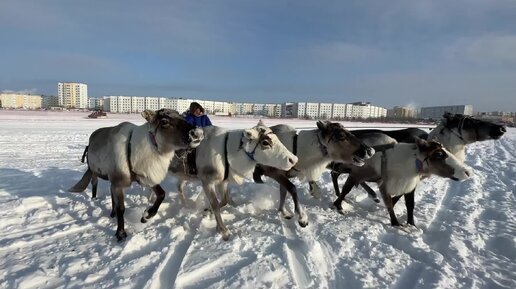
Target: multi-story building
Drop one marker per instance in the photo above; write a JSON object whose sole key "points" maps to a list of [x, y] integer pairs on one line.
{"points": [[243, 108], [401, 112], [49, 101], [95, 103], [152, 103], [72, 95], [272, 110], [137, 104], [288, 110], [436, 112], [312, 110], [20, 100], [325, 110]]}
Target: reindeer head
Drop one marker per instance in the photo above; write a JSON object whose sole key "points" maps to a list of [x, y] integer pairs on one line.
{"points": [[264, 147], [341, 145], [171, 131], [433, 158], [470, 129]]}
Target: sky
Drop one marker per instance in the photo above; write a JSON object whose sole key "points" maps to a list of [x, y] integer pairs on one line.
{"points": [[399, 52]]}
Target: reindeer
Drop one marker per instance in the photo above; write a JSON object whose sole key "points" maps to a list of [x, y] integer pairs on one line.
{"points": [[230, 156], [315, 150], [129, 153], [398, 168], [454, 132]]}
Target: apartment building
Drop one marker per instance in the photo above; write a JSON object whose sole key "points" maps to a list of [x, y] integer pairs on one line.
{"points": [[95, 103], [72, 95], [436, 112], [401, 112], [49, 101], [325, 110], [20, 100]]}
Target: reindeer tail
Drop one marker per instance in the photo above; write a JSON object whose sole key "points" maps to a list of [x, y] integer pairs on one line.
{"points": [[84, 154], [83, 183]]}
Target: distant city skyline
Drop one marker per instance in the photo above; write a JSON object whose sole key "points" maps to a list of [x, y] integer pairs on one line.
{"points": [[394, 53]]}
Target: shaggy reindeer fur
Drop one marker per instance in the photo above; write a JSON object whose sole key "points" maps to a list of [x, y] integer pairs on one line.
{"points": [[454, 133], [315, 150], [230, 156], [126, 153], [372, 137], [398, 168]]}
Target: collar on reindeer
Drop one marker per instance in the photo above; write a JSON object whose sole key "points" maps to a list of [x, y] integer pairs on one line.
{"points": [[460, 128], [419, 165], [249, 154], [152, 136], [323, 148]]}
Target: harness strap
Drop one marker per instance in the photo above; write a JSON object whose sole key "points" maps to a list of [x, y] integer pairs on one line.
{"points": [[294, 145], [322, 147], [226, 161], [383, 169], [129, 154]]}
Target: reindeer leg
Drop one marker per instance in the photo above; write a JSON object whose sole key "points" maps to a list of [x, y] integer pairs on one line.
{"points": [[117, 193], [113, 205], [390, 206], [346, 188], [283, 195], [409, 203], [94, 183], [152, 210], [370, 192], [181, 190], [209, 190], [314, 188], [285, 183], [226, 198], [335, 180]]}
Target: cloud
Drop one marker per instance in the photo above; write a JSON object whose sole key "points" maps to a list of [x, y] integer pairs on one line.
{"points": [[343, 52], [22, 91], [486, 49]]}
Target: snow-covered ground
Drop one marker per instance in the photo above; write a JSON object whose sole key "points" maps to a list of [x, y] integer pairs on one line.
{"points": [[50, 238]]}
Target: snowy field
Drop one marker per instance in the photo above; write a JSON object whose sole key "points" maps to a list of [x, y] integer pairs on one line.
{"points": [[50, 238]]}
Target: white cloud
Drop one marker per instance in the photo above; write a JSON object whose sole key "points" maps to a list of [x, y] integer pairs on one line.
{"points": [[487, 49]]}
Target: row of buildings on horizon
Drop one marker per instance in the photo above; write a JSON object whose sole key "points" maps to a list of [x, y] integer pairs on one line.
{"points": [[71, 95]]}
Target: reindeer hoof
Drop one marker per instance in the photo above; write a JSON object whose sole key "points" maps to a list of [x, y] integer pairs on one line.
{"points": [[376, 200], [147, 214], [286, 214], [112, 214], [303, 223], [226, 234], [121, 235], [338, 207]]}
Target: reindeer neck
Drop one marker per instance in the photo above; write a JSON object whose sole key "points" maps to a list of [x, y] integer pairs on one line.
{"points": [[148, 164], [450, 140], [240, 163], [310, 152]]}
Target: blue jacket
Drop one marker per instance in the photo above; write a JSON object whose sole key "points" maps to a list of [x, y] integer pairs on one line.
{"points": [[198, 121]]}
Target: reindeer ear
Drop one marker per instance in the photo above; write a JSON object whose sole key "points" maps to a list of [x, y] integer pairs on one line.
{"points": [[249, 134], [322, 125], [260, 123], [149, 115]]}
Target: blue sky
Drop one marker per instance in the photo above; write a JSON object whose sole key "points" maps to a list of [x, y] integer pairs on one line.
{"points": [[409, 52]]}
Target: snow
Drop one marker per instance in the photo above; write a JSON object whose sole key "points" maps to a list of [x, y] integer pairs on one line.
{"points": [[50, 238]]}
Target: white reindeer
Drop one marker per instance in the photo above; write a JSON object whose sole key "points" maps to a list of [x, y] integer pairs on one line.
{"points": [[126, 153], [230, 156]]}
